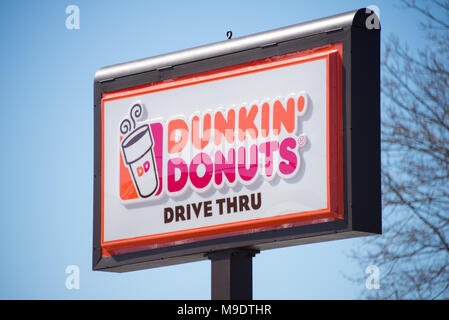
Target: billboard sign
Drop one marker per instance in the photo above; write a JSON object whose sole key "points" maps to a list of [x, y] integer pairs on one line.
{"points": [[234, 144]]}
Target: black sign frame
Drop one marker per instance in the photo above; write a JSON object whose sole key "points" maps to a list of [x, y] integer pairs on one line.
{"points": [[361, 132]]}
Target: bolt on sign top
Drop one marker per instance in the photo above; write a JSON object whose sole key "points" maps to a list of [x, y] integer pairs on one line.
{"points": [[257, 142]]}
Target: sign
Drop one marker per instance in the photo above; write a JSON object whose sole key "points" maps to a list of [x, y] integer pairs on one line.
{"points": [[218, 147]]}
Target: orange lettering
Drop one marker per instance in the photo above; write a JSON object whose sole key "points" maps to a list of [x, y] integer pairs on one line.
{"points": [[246, 122], [201, 143], [139, 171], [180, 126], [265, 119], [224, 127], [286, 117]]}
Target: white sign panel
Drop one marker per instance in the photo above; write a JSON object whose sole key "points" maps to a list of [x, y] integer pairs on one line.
{"points": [[229, 151]]}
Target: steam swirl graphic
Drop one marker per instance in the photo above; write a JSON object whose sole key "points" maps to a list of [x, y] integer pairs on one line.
{"points": [[135, 113]]}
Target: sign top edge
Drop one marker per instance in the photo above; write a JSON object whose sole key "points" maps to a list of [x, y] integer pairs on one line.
{"points": [[300, 30]]}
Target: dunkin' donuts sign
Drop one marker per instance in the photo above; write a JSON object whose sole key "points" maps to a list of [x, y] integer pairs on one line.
{"points": [[200, 156], [255, 146]]}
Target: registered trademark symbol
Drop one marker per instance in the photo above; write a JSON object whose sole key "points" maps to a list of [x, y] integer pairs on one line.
{"points": [[302, 139]]}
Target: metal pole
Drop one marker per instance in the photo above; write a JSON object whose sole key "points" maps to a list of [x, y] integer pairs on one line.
{"points": [[232, 274]]}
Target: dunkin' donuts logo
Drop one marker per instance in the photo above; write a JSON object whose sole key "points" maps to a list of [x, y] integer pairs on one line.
{"points": [[137, 153], [210, 149]]}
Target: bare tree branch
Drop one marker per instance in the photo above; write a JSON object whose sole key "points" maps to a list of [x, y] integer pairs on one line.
{"points": [[413, 250]]}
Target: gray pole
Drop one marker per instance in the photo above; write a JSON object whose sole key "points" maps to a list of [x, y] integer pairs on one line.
{"points": [[232, 274]]}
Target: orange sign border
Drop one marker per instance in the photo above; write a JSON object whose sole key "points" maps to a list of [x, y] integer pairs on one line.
{"points": [[335, 204]]}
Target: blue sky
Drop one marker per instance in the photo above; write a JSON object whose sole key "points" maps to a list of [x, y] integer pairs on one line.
{"points": [[46, 94]]}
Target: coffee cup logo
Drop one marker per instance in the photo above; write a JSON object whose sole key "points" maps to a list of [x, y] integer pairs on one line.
{"points": [[138, 154]]}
